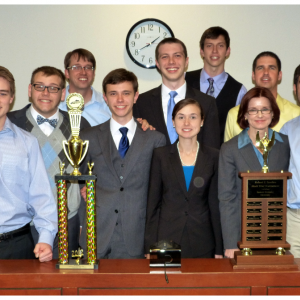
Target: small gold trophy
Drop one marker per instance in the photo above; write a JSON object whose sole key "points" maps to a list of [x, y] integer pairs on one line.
{"points": [[75, 145], [266, 145]]}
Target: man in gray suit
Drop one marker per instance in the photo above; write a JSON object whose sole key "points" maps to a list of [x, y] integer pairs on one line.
{"points": [[122, 154]]}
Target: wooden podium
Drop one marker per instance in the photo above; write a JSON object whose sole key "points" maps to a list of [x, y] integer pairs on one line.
{"points": [[264, 197]]}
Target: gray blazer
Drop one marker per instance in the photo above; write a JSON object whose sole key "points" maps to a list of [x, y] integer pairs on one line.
{"points": [[232, 161], [127, 194]]}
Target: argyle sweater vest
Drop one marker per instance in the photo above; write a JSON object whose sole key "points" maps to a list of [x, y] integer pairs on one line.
{"points": [[53, 154]]}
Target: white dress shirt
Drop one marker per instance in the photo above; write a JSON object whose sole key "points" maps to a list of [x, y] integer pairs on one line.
{"points": [[45, 127], [165, 97], [117, 135]]}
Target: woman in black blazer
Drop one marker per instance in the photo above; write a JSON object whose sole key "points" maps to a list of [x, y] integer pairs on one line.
{"points": [[183, 201]]}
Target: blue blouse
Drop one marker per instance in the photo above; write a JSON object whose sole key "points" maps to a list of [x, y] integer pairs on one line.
{"points": [[188, 173]]}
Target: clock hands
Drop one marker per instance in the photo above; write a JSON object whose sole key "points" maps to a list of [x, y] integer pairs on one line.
{"points": [[149, 44]]}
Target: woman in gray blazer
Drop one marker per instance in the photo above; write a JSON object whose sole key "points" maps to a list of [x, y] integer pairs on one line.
{"points": [[183, 201], [258, 112]]}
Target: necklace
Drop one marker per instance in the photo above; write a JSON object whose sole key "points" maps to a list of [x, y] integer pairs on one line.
{"points": [[195, 157]]}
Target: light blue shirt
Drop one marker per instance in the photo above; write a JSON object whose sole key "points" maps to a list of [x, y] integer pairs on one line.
{"points": [[188, 173], [219, 82], [95, 111], [244, 140], [25, 191], [292, 130]]}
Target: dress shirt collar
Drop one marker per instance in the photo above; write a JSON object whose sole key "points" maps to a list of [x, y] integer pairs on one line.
{"points": [[8, 125], [115, 126], [34, 114], [244, 138], [180, 91], [218, 80], [93, 99]]}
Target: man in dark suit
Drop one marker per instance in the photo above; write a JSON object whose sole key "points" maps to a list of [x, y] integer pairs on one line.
{"points": [[122, 154], [156, 105], [212, 79]]}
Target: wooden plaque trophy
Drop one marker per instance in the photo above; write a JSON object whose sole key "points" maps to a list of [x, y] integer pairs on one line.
{"points": [[264, 196]]}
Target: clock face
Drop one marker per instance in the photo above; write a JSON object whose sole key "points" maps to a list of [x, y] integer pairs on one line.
{"points": [[142, 40]]}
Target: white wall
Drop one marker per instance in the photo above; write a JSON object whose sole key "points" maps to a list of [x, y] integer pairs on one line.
{"points": [[32, 36]]}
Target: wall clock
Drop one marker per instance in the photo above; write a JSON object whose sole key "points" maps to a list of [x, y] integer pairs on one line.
{"points": [[142, 40]]}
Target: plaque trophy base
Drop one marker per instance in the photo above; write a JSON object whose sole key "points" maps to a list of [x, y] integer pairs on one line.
{"points": [[83, 264], [263, 259]]}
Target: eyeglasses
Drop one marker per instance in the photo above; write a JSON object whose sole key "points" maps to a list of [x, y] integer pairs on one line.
{"points": [[79, 68], [41, 88], [264, 111]]}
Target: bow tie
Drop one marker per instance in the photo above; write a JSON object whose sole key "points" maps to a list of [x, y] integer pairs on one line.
{"points": [[41, 120]]}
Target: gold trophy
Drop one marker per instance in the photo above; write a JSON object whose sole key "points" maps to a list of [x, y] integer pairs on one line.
{"points": [[266, 145], [75, 145]]}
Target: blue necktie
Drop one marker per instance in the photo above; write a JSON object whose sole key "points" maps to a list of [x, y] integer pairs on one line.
{"points": [[171, 130], [210, 90], [124, 142], [41, 120]]}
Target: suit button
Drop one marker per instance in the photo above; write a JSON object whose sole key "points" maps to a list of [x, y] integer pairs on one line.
{"points": [[116, 211], [186, 199], [121, 177], [186, 213], [116, 224], [122, 165], [121, 189]]}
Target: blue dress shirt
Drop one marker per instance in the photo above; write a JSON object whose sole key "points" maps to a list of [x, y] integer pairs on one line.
{"points": [[95, 111], [244, 140], [219, 82], [25, 191], [291, 129]]}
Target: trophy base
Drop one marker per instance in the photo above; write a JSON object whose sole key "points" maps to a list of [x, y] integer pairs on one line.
{"points": [[82, 265], [263, 259]]}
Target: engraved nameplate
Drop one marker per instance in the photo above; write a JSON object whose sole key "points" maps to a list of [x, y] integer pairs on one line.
{"points": [[265, 188], [253, 203], [274, 217], [253, 238], [275, 203], [253, 231], [275, 210], [274, 238], [253, 211], [275, 231], [275, 224], [253, 224], [253, 218]]}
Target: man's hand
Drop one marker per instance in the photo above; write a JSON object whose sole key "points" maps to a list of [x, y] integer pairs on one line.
{"points": [[229, 253], [218, 256], [147, 256], [83, 193], [43, 251], [145, 124]]}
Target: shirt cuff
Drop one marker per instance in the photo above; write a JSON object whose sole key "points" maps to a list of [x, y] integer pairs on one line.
{"points": [[46, 237]]}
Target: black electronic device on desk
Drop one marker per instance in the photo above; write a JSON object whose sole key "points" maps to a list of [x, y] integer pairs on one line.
{"points": [[165, 254]]}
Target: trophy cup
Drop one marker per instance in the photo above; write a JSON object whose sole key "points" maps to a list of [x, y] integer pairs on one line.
{"points": [[264, 197], [75, 155]]}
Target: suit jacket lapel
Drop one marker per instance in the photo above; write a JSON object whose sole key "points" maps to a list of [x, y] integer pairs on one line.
{"points": [[189, 92], [135, 149], [250, 157], [274, 155], [177, 167], [158, 112], [105, 140]]}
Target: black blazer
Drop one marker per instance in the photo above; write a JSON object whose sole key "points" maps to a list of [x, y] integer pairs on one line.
{"points": [[149, 107], [18, 117], [171, 207]]}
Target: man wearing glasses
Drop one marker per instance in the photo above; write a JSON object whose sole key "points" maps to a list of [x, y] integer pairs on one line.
{"points": [[51, 126], [266, 72], [80, 66]]}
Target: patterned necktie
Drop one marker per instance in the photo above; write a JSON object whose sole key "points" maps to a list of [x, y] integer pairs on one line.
{"points": [[210, 90], [124, 142], [41, 120], [171, 130]]}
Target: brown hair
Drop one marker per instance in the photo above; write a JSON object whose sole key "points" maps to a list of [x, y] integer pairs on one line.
{"points": [[182, 103], [5, 73], [257, 92], [50, 71], [118, 76], [170, 40], [80, 53], [214, 33]]}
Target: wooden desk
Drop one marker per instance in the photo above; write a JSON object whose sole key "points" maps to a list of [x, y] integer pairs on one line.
{"points": [[132, 277]]}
